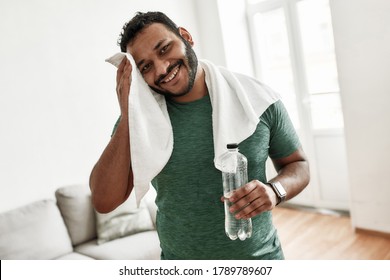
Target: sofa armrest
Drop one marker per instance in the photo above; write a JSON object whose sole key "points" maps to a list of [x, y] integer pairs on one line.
{"points": [[34, 231]]}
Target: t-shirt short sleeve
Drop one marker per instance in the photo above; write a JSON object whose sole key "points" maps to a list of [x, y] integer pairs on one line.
{"points": [[115, 126], [283, 137]]}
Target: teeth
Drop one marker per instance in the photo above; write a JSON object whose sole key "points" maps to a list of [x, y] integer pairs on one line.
{"points": [[172, 76]]}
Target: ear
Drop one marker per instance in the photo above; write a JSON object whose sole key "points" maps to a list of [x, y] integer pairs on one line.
{"points": [[186, 35]]}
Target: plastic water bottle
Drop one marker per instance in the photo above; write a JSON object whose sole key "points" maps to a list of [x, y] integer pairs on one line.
{"points": [[234, 176]]}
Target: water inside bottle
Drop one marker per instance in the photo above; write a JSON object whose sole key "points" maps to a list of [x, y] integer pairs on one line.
{"points": [[234, 175], [234, 228]]}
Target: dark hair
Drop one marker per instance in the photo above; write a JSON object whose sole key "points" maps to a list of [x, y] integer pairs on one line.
{"points": [[139, 22]]}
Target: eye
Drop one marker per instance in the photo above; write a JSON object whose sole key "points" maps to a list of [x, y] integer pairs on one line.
{"points": [[164, 49], [145, 68]]}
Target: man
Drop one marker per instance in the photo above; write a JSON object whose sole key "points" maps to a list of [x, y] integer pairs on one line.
{"points": [[190, 218]]}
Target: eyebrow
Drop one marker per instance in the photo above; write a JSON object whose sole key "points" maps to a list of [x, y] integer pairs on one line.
{"points": [[157, 46], [159, 43]]}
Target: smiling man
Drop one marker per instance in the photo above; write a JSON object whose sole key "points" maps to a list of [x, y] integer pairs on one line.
{"points": [[190, 217], [174, 79]]}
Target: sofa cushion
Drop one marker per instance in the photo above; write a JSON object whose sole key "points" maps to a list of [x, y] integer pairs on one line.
{"points": [[34, 231], [74, 202], [74, 257], [126, 219], [140, 246]]}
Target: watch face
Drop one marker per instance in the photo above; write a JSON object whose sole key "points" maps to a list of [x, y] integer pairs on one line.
{"points": [[279, 188]]}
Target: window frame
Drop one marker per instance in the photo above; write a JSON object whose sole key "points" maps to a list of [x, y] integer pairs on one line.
{"points": [[297, 60]]}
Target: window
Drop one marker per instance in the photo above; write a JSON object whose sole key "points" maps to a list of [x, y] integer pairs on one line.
{"points": [[294, 54]]}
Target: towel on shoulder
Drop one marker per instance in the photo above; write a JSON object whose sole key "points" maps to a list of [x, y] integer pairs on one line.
{"points": [[237, 100]]}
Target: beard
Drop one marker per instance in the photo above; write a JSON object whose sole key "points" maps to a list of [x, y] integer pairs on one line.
{"points": [[192, 61]]}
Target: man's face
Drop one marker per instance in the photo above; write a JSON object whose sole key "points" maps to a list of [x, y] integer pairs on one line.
{"points": [[167, 63]]}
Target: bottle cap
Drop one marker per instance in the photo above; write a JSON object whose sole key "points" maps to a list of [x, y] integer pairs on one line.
{"points": [[232, 146]]}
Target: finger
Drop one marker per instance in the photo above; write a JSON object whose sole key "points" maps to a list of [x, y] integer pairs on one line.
{"points": [[121, 68], [243, 191], [256, 207], [255, 191], [124, 79], [127, 70], [122, 64]]}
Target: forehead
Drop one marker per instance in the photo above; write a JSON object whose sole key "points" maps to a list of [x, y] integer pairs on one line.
{"points": [[148, 38]]}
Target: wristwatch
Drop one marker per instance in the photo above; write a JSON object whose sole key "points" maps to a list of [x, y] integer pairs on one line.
{"points": [[279, 191]]}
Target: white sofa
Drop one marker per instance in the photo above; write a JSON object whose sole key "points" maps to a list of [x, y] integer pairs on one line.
{"points": [[69, 228]]}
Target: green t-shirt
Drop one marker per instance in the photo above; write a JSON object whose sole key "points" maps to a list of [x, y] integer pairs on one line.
{"points": [[190, 217]]}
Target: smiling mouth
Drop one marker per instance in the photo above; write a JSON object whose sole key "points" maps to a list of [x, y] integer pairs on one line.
{"points": [[172, 76]]}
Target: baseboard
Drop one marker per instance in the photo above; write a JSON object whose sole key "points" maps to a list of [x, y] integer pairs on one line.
{"points": [[373, 232]]}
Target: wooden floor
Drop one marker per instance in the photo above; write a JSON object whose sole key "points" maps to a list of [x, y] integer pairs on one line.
{"points": [[308, 235]]}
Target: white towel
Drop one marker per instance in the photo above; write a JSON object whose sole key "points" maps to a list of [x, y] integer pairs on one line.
{"points": [[237, 101]]}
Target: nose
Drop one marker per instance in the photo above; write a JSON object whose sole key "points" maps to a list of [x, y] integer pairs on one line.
{"points": [[161, 67]]}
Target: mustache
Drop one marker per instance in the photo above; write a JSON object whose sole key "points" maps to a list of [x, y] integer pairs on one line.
{"points": [[169, 69]]}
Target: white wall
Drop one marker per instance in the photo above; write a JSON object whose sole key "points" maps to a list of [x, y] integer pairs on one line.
{"points": [[362, 40], [210, 34], [57, 95]]}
